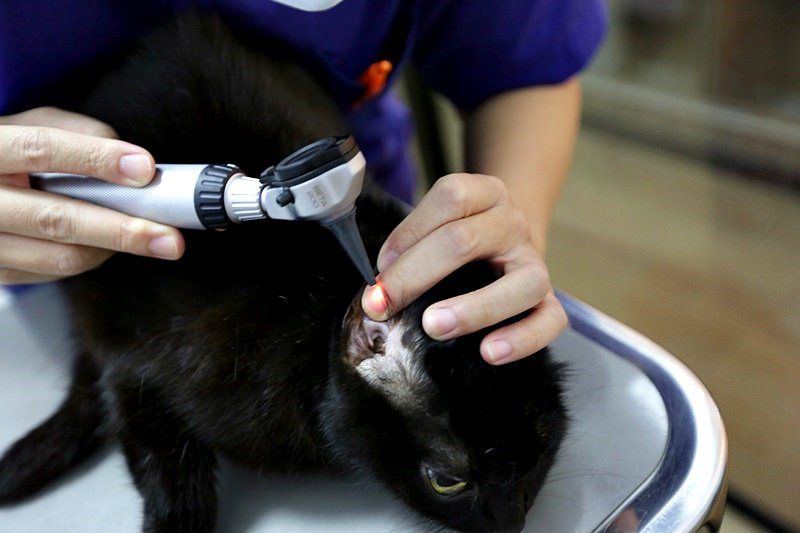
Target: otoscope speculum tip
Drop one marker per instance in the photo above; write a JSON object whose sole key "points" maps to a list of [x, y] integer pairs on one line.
{"points": [[346, 232]]}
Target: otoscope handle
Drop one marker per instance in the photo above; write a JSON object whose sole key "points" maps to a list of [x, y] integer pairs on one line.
{"points": [[184, 196], [319, 182]]}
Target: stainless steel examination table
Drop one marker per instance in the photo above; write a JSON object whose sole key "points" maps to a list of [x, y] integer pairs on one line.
{"points": [[646, 450]]}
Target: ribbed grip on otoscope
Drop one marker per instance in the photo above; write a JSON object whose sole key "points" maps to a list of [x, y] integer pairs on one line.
{"points": [[209, 195]]}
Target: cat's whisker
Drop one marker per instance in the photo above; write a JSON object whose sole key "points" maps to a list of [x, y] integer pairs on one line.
{"points": [[598, 473], [183, 452]]}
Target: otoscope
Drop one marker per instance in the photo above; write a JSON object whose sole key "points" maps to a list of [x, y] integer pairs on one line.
{"points": [[319, 182]]}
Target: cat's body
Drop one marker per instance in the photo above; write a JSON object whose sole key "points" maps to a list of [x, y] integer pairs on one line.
{"points": [[254, 345]]}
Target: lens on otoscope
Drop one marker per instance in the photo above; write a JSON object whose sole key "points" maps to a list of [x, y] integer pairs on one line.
{"points": [[310, 161]]}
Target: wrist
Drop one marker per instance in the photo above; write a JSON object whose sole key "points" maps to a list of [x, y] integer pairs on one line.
{"points": [[526, 138]]}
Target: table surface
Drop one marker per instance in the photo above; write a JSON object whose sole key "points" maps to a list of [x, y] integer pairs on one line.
{"points": [[617, 440]]}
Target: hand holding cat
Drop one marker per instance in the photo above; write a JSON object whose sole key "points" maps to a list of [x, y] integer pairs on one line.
{"points": [[465, 217], [45, 237]]}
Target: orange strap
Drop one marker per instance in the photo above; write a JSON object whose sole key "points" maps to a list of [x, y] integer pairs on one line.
{"points": [[374, 80]]}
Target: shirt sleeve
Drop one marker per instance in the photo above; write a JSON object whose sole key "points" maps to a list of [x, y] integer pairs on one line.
{"points": [[470, 50]]}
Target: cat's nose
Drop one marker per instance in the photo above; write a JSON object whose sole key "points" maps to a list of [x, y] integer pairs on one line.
{"points": [[508, 520], [515, 528]]}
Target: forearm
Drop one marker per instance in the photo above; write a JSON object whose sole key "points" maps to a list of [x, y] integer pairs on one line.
{"points": [[526, 138]]}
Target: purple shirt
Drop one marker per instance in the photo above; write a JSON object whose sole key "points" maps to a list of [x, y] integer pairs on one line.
{"points": [[467, 49]]}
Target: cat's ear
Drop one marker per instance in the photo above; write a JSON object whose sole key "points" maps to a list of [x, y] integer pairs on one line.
{"points": [[364, 338]]}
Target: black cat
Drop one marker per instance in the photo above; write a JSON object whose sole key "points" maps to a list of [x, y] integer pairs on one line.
{"points": [[254, 345]]}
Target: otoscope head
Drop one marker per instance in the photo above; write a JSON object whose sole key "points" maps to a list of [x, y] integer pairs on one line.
{"points": [[321, 182]]}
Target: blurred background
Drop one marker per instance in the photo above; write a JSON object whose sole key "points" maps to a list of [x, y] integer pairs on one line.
{"points": [[681, 217]]}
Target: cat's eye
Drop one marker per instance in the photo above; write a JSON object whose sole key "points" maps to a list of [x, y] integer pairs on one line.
{"points": [[445, 485]]}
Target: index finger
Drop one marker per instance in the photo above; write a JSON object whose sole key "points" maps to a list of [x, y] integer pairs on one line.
{"points": [[50, 217], [452, 197], [26, 149]]}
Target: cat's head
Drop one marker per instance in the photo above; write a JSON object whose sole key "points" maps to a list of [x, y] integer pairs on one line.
{"points": [[463, 442]]}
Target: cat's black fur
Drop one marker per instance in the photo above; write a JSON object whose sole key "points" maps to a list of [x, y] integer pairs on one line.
{"points": [[254, 346]]}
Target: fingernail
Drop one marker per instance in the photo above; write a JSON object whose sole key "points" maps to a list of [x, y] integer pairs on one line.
{"points": [[164, 247], [136, 167], [498, 351], [374, 301], [438, 323]]}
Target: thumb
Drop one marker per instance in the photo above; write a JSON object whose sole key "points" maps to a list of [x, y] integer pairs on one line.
{"points": [[375, 302]]}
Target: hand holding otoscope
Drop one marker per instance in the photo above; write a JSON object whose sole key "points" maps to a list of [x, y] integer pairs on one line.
{"points": [[319, 182]]}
